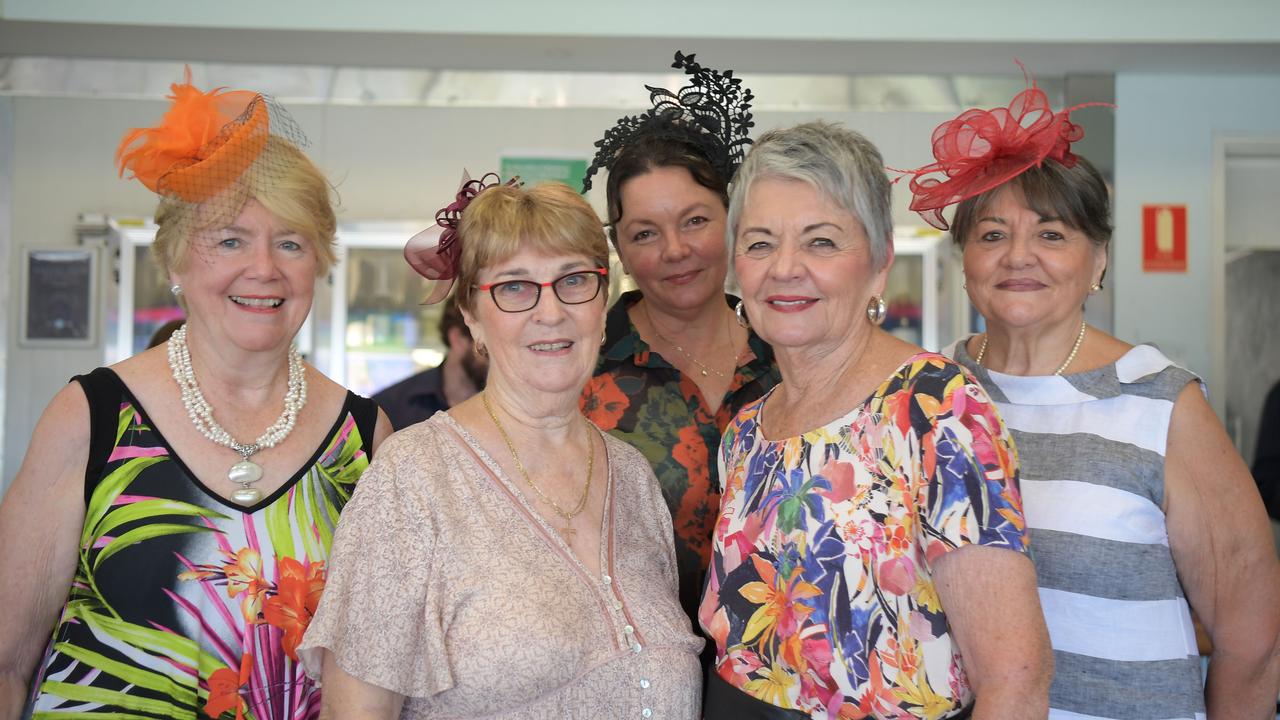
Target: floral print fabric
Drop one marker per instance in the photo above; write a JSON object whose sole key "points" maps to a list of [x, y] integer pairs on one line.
{"points": [[185, 605], [820, 596], [641, 399]]}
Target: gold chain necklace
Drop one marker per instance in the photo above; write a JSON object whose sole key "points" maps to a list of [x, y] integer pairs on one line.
{"points": [[566, 515], [704, 368], [982, 349]]}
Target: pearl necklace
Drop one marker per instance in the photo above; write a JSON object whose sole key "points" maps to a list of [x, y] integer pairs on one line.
{"points": [[245, 472], [982, 350]]}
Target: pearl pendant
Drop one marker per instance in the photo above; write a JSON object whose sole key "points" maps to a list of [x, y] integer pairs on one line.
{"points": [[245, 472], [246, 495], [704, 373]]}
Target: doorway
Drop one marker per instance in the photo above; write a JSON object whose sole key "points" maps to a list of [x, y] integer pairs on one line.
{"points": [[1248, 328]]}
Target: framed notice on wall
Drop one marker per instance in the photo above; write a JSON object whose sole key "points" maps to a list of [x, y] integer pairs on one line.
{"points": [[59, 288]]}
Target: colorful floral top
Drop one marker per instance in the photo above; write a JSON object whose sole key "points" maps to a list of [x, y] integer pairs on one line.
{"points": [[185, 605], [820, 597], [640, 398]]}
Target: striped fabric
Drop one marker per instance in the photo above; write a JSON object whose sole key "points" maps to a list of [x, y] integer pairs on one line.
{"points": [[1092, 448]]}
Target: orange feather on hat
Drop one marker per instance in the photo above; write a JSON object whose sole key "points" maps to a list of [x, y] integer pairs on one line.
{"points": [[195, 151]]}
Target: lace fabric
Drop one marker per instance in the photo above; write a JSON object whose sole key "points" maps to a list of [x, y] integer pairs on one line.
{"points": [[712, 112]]}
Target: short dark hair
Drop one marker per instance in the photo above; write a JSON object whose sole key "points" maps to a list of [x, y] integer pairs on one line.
{"points": [[450, 318], [1077, 195], [647, 154]]}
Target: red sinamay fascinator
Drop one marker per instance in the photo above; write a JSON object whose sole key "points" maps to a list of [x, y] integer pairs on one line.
{"points": [[983, 149], [434, 253]]}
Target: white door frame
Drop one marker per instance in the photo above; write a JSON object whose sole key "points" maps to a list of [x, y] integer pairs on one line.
{"points": [[1224, 147], [10, 288]]}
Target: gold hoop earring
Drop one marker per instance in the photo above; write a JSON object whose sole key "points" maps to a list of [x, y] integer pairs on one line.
{"points": [[877, 311], [740, 311]]}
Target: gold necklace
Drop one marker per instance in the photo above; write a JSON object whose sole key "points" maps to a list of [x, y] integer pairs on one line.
{"points": [[982, 349], [567, 515], [704, 368]]}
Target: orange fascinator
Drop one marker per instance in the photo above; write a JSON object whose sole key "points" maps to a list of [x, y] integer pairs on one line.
{"points": [[218, 133], [205, 142], [211, 152]]}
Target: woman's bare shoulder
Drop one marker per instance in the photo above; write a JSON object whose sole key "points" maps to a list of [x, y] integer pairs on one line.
{"points": [[1100, 348], [145, 368]]}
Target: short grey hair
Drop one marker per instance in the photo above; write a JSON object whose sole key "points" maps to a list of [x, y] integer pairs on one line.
{"points": [[838, 162]]}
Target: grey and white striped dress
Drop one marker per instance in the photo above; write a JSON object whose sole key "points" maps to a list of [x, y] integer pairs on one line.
{"points": [[1092, 448]]}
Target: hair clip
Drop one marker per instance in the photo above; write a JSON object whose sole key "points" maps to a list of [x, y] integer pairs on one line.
{"points": [[435, 254]]}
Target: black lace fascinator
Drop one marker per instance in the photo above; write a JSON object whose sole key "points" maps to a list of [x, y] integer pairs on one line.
{"points": [[712, 113]]}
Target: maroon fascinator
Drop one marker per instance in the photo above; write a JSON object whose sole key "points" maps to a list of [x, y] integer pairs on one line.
{"points": [[982, 149], [433, 253]]}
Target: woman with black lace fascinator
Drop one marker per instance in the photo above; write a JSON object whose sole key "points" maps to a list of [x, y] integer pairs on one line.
{"points": [[677, 364]]}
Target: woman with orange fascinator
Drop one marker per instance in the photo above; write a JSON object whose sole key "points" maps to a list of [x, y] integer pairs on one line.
{"points": [[176, 509], [1136, 501]]}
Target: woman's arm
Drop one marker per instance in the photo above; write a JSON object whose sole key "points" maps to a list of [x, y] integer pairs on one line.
{"points": [[40, 522], [989, 596], [346, 698], [377, 635], [381, 430], [1223, 549], [986, 583]]}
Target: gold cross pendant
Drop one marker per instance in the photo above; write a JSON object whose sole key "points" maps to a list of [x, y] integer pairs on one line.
{"points": [[569, 532]]}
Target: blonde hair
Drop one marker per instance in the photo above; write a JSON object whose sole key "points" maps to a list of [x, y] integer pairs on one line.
{"points": [[297, 194], [549, 218]]}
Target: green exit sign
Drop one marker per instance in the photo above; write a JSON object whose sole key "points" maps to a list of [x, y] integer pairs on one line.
{"points": [[533, 170]]}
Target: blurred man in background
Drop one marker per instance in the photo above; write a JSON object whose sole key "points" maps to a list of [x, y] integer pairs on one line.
{"points": [[459, 376]]}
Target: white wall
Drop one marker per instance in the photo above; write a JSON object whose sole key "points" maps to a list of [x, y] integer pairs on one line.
{"points": [[8, 293], [1165, 130], [977, 20], [388, 163]]}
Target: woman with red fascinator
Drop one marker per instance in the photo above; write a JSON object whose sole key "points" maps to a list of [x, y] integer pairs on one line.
{"points": [[175, 511], [1137, 504]]}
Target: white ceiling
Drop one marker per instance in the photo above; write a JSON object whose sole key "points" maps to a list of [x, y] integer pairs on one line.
{"points": [[416, 50]]}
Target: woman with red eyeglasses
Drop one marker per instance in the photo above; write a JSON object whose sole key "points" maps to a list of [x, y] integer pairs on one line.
{"points": [[506, 558]]}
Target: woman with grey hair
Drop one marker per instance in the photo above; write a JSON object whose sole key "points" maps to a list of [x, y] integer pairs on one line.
{"points": [[870, 557]]}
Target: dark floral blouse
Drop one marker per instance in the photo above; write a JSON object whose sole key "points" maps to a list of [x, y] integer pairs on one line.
{"points": [[639, 397]]}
